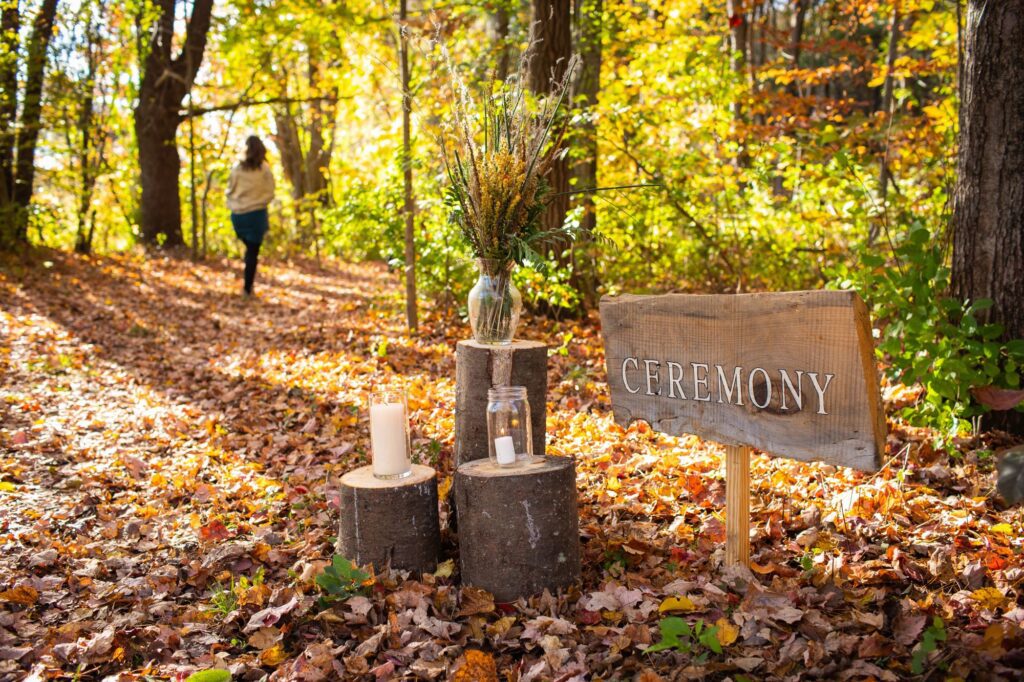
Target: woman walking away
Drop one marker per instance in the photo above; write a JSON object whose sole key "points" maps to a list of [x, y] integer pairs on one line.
{"points": [[250, 191]]}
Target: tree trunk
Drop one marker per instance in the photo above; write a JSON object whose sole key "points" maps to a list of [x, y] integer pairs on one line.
{"points": [[551, 40], [587, 87], [884, 175], [796, 41], [165, 83], [410, 207], [10, 23], [159, 165], [500, 22], [737, 46], [988, 215], [15, 218]]}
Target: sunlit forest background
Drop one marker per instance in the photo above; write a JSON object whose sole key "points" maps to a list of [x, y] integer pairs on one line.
{"points": [[738, 146], [776, 163]]}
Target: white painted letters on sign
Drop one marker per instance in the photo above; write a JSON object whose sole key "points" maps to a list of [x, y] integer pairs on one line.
{"points": [[790, 373]]}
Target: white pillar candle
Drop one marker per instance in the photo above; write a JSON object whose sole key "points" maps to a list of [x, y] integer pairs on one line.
{"points": [[505, 449], [388, 439]]}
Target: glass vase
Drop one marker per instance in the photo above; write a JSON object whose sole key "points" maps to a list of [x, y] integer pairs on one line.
{"points": [[494, 303], [509, 432]]}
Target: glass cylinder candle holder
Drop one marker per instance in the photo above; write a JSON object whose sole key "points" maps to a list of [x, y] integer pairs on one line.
{"points": [[389, 433], [509, 435]]}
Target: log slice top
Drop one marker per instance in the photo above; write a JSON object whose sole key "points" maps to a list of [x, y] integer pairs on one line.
{"points": [[363, 478], [514, 346], [484, 468]]}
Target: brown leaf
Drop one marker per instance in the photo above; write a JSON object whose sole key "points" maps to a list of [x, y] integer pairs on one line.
{"points": [[22, 594], [475, 601]]}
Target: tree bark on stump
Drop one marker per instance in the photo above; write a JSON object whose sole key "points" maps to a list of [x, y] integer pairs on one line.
{"points": [[988, 202], [390, 522], [518, 527], [478, 367]]}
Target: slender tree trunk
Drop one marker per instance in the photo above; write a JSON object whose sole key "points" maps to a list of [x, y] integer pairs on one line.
{"points": [[410, 206], [500, 22], [551, 36], [166, 80], [10, 24], [988, 216], [589, 21], [28, 129], [796, 40], [738, 27], [884, 175]]}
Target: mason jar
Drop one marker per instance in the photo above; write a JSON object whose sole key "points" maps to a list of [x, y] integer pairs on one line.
{"points": [[509, 436]]}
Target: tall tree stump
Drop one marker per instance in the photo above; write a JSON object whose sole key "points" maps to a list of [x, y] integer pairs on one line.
{"points": [[478, 367], [390, 522], [518, 527]]}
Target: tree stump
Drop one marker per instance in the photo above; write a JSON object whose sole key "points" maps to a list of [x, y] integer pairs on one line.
{"points": [[478, 367], [518, 527], [390, 522]]}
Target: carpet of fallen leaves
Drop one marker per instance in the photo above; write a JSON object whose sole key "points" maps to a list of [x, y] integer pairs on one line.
{"points": [[169, 453]]}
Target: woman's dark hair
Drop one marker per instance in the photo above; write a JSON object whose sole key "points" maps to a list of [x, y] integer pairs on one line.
{"points": [[255, 153]]}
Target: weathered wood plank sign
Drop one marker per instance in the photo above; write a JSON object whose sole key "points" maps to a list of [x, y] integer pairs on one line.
{"points": [[789, 373]]}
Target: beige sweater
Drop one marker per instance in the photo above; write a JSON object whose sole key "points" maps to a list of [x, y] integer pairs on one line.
{"points": [[250, 190]]}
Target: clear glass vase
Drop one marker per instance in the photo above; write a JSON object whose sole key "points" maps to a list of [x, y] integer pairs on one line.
{"points": [[494, 303]]}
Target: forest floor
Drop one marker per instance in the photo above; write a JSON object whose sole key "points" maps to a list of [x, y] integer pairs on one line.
{"points": [[168, 459]]}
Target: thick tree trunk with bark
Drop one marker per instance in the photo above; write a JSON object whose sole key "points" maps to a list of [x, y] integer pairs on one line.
{"points": [[988, 217], [551, 36], [165, 83]]}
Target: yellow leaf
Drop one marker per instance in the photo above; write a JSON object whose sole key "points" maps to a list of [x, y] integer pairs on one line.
{"points": [[677, 604], [445, 569], [7, 487], [273, 656], [726, 632], [1004, 528], [989, 598]]}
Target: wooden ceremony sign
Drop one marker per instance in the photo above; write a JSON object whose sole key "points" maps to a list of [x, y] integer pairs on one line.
{"points": [[788, 373]]}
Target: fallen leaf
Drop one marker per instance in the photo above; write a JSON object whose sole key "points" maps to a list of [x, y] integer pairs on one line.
{"points": [[273, 656], [269, 616], [989, 598], [475, 601], [476, 666], [681, 603], [726, 632], [22, 594]]}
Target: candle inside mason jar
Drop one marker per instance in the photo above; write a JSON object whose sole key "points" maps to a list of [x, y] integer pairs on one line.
{"points": [[388, 440], [505, 450]]}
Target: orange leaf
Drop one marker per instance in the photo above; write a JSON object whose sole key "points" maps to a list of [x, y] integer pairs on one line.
{"points": [[477, 666], [22, 594]]}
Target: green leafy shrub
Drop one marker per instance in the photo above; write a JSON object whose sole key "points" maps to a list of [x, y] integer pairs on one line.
{"points": [[340, 580], [930, 338], [677, 634]]}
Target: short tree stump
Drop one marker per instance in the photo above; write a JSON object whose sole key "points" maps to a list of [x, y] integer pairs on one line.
{"points": [[390, 522], [480, 366], [518, 527]]}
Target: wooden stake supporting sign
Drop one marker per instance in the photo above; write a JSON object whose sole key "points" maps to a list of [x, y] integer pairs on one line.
{"points": [[790, 373]]}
